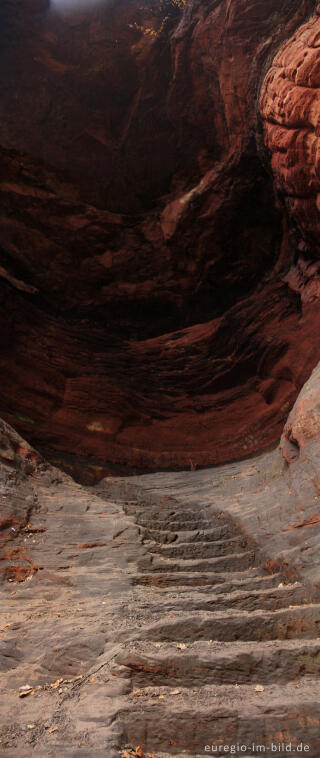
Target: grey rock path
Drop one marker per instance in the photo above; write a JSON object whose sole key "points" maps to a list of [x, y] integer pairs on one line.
{"points": [[141, 614]]}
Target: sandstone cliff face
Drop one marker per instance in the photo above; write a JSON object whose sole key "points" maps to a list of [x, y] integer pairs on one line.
{"points": [[152, 322], [290, 106]]}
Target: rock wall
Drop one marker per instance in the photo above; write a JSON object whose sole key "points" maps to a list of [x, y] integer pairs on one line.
{"points": [[290, 106], [159, 315]]}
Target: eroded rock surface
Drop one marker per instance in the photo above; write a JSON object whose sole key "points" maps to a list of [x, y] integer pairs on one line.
{"points": [[162, 611], [290, 106], [152, 322]]}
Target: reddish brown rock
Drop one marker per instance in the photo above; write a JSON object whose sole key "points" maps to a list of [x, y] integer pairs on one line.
{"points": [[149, 325], [290, 106]]}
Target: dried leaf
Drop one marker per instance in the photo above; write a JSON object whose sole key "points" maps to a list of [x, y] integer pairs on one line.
{"points": [[139, 752], [175, 692], [161, 697], [259, 688], [56, 684], [31, 726], [157, 644], [76, 678], [181, 646], [53, 729]]}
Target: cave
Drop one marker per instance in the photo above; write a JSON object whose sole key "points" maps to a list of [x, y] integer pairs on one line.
{"points": [[159, 311]]}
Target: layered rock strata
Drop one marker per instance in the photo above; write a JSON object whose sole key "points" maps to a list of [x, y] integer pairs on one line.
{"points": [[159, 313], [165, 611]]}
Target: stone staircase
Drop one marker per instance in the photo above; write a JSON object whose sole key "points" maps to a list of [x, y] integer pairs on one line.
{"points": [[222, 653]]}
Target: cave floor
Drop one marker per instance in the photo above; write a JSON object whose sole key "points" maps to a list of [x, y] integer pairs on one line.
{"points": [[149, 625]]}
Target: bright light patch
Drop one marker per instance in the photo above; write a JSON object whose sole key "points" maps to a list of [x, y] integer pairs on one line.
{"points": [[71, 6]]}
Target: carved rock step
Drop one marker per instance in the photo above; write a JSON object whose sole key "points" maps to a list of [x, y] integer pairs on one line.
{"points": [[200, 549], [289, 623], [222, 663], [194, 535], [167, 512], [270, 599], [224, 563], [182, 521], [211, 715], [221, 582]]}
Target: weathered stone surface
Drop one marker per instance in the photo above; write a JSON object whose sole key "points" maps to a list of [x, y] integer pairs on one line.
{"points": [[302, 429], [290, 107], [158, 322], [155, 610], [149, 324]]}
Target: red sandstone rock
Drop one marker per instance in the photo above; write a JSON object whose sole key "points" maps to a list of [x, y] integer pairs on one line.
{"points": [[290, 106], [149, 325]]}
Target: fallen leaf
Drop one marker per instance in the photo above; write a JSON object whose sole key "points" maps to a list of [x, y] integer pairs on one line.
{"points": [[56, 684], [259, 688], [161, 697], [76, 678], [53, 729], [31, 726], [157, 644], [175, 692], [139, 752], [181, 646], [92, 679]]}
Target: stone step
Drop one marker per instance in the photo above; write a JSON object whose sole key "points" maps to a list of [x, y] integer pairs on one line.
{"points": [[168, 511], [191, 535], [222, 582], [302, 621], [224, 563], [222, 663], [269, 599], [182, 521], [200, 549], [195, 722]]}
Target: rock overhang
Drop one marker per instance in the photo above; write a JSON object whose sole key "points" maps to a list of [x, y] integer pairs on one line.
{"points": [[165, 325]]}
